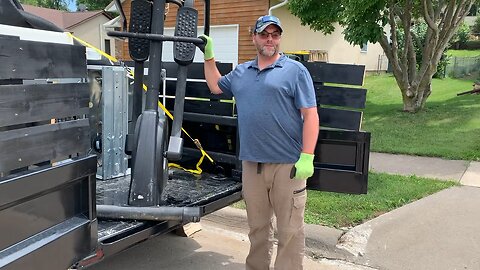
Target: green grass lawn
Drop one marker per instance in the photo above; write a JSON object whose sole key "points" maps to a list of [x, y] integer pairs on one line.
{"points": [[385, 193], [448, 127], [463, 53]]}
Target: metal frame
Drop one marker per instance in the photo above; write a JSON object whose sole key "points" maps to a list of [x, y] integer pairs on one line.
{"points": [[114, 122]]}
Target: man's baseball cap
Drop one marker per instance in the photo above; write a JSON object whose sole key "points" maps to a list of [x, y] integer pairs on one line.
{"points": [[265, 21]]}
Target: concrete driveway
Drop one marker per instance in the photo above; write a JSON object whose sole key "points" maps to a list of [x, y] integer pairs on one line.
{"points": [[209, 249]]}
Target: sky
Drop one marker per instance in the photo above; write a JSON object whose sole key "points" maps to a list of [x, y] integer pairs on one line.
{"points": [[72, 6]]}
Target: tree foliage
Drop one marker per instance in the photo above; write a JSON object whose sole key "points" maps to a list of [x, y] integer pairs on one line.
{"points": [[53, 4], [381, 21], [461, 36], [94, 4]]}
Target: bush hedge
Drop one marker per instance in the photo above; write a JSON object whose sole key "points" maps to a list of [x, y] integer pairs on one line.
{"points": [[470, 45]]}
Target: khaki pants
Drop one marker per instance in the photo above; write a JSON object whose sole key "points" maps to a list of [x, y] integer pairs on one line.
{"points": [[268, 190]]}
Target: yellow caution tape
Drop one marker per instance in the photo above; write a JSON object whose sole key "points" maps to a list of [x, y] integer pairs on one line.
{"points": [[195, 141]]}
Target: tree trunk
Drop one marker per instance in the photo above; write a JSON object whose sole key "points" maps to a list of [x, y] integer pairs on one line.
{"points": [[415, 99]]}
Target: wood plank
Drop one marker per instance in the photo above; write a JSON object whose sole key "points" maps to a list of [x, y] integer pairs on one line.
{"points": [[195, 70], [23, 59], [45, 180], [27, 146], [210, 119], [341, 119], [203, 106], [32, 103], [188, 229], [344, 135], [196, 89], [9, 37], [341, 96], [69, 237], [11, 81], [336, 73], [44, 205]]}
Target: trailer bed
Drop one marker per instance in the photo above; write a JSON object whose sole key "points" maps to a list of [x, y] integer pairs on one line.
{"points": [[209, 191]]}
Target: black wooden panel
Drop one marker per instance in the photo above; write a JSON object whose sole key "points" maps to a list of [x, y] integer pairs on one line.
{"points": [[338, 181], [195, 70], [336, 73], [204, 106], [53, 208], [195, 89], [216, 156], [39, 182], [27, 146], [342, 149], [11, 81], [341, 96], [342, 119], [35, 60], [49, 204], [363, 158], [344, 135], [336, 152], [32, 103], [213, 137], [67, 243], [9, 37], [210, 119]]}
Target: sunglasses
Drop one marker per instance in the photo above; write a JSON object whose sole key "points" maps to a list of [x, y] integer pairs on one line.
{"points": [[265, 34]]}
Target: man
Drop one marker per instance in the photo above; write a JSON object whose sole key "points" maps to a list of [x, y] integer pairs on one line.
{"points": [[278, 127]]}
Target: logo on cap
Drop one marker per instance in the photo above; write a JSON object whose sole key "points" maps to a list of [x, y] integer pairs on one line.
{"points": [[265, 21]]}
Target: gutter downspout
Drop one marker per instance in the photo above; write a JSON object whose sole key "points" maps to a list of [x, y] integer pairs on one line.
{"points": [[277, 6]]}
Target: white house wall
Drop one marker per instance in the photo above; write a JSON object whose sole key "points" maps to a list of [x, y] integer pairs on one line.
{"points": [[90, 31], [470, 20], [297, 37], [225, 39]]}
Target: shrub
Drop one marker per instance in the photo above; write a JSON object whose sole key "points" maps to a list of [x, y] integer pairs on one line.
{"points": [[461, 36], [471, 45], [476, 27]]}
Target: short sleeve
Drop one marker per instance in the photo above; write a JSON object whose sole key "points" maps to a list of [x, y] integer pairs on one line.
{"points": [[304, 90], [225, 84]]}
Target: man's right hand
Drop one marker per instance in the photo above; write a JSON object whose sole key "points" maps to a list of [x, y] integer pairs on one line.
{"points": [[208, 54]]}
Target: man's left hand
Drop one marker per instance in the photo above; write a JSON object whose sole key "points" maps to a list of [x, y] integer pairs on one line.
{"points": [[304, 166]]}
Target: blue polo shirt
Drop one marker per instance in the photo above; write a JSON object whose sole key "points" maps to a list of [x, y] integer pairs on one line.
{"points": [[268, 104]]}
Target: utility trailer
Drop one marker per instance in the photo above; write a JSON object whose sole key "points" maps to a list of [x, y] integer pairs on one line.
{"points": [[57, 166], [67, 140]]}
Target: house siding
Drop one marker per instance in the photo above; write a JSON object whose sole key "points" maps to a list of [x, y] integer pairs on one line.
{"points": [[222, 12], [90, 31]]}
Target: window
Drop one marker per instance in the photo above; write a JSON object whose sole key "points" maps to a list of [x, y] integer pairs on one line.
{"points": [[364, 47], [107, 46]]}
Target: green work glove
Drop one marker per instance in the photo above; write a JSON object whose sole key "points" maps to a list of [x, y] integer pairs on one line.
{"points": [[208, 54], [304, 166]]}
